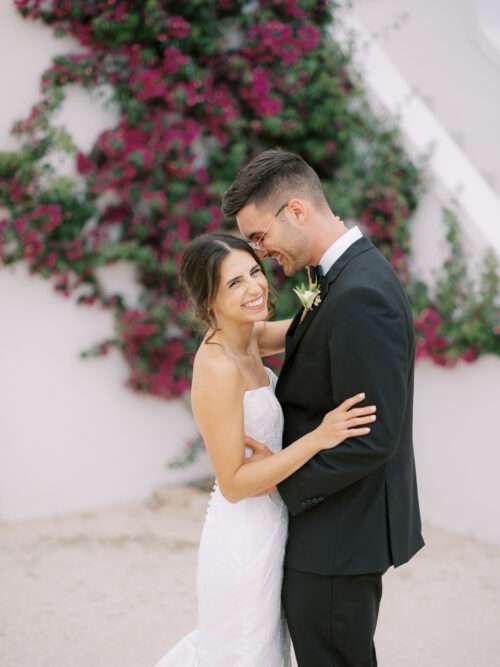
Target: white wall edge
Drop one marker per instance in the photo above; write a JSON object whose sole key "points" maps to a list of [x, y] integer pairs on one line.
{"points": [[452, 172]]}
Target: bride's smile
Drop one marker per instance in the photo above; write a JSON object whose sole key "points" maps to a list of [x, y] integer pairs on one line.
{"points": [[256, 304]]}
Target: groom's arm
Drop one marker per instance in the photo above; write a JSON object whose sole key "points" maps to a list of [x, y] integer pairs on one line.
{"points": [[368, 352], [271, 336]]}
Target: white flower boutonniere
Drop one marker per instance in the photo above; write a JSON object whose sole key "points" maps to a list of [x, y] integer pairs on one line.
{"points": [[309, 295]]}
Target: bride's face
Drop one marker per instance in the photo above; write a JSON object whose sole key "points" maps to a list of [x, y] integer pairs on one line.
{"points": [[243, 290]]}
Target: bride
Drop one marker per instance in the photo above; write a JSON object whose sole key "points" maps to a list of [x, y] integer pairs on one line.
{"points": [[240, 560]]}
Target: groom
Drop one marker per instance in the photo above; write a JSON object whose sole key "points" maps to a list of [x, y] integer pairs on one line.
{"points": [[354, 509]]}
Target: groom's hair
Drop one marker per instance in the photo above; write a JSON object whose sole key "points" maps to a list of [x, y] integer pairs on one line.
{"points": [[271, 176]]}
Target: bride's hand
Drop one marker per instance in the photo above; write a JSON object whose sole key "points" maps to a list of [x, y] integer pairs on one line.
{"points": [[344, 422], [260, 451]]}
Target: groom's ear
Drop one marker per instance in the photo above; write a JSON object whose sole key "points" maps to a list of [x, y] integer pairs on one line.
{"points": [[298, 207]]}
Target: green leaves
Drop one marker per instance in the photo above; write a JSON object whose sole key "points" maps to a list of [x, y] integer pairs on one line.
{"points": [[116, 33]]}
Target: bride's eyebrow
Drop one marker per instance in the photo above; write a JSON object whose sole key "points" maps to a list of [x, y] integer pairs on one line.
{"points": [[231, 280], [255, 266]]}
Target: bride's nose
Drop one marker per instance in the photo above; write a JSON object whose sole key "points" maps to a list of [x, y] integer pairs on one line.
{"points": [[254, 288]]}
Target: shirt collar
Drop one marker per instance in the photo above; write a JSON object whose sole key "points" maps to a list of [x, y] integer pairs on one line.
{"points": [[338, 248]]}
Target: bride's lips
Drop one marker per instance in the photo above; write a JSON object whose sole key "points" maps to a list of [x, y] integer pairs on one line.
{"points": [[257, 304]]}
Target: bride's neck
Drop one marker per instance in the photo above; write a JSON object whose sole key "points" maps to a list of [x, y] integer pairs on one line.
{"points": [[235, 338]]}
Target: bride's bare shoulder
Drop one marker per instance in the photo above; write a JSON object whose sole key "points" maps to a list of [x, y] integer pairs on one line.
{"points": [[214, 371]]}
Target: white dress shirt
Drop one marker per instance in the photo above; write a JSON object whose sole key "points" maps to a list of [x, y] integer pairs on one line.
{"points": [[338, 248]]}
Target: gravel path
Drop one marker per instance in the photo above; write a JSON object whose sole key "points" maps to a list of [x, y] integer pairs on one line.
{"points": [[115, 588]]}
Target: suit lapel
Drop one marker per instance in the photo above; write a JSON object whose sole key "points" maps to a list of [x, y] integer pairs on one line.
{"points": [[298, 329], [293, 325]]}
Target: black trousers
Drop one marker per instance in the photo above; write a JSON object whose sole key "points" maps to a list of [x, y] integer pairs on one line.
{"points": [[332, 619]]}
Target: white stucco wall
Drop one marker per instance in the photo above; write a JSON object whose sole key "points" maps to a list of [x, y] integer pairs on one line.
{"points": [[457, 446], [74, 437], [453, 179], [448, 52]]}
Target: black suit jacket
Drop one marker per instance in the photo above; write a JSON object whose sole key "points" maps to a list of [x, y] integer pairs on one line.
{"points": [[354, 508]]}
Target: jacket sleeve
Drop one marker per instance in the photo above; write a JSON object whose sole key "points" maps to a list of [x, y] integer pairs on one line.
{"points": [[368, 351]]}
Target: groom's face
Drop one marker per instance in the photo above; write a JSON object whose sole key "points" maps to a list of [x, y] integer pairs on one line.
{"points": [[280, 234]]}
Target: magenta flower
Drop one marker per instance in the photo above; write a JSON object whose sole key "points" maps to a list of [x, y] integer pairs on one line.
{"points": [[309, 37], [178, 27], [83, 164], [173, 59], [469, 355]]}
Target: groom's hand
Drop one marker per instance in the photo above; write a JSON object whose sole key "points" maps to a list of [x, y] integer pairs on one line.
{"points": [[259, 451]]}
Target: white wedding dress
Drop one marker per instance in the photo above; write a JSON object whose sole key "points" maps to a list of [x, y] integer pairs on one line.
{"points": [[240, 567]]}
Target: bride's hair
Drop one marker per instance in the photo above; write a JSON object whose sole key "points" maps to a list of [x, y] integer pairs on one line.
{"points": [[200, 272]]}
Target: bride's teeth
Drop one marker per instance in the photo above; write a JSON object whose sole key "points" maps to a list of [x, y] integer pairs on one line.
{"points": [[257, 302]]}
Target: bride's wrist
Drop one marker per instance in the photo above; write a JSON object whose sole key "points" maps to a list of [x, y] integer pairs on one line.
{"points": [[316, 441]]}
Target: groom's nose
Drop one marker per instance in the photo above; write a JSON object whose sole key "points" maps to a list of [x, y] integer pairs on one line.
{"points": [[262, 252]]}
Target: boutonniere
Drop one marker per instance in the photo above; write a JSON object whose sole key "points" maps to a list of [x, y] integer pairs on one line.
{"points": [[309, 295]]}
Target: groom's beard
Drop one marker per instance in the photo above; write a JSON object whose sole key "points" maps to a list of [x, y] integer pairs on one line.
{"points": [[287, 264]]}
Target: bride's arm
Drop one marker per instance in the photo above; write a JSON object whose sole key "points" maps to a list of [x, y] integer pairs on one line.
{"points": [[217, 401], [271, 336]]}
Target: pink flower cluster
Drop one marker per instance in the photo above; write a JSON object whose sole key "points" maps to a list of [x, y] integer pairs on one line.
{"points": [[220, 109], [31, 228], [165, 381], [165, 356], [178, 27], [431, 344], [289, 7], [277, 42], [127, 154], [429, 341], [257, 94]]}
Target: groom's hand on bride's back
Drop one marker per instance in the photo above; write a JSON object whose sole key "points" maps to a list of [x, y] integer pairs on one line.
{"points": [[259, 451]]}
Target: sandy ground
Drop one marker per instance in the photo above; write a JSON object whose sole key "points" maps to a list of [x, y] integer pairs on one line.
{"points": [[115, 588]]}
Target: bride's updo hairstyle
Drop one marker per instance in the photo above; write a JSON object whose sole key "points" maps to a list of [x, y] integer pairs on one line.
{"points": [[200, 272]]}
